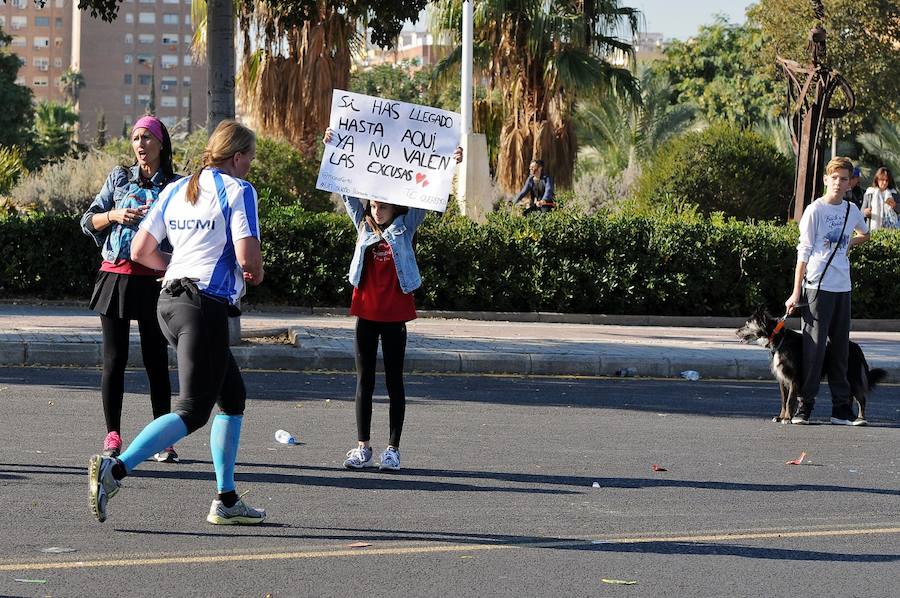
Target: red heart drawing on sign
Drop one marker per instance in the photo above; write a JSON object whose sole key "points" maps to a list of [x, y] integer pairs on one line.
{"points": [[419, 177], [424, 184]]}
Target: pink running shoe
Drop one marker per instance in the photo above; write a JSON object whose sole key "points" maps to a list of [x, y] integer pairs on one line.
{"points": [[112, 446]]}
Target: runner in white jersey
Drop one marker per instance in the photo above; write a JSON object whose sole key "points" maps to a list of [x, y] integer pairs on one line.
{"points": [[211, 221], [203, 234]]}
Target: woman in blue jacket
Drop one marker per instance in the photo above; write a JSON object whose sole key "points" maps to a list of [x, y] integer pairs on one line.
{"points": [[126, 290]]}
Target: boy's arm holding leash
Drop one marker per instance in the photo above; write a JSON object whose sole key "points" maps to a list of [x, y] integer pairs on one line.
{"points": [[794, 300], [804, 251]]}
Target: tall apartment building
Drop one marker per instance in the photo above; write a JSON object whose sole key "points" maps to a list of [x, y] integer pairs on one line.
{"points": [[149, 43], [41, 39]]}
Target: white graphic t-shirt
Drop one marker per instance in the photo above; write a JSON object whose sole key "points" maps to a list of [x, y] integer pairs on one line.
{"points": [[203, 234], [820, 229]]}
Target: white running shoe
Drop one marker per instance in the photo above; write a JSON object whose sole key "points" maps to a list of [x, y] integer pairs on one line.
{"points": [[102, 484], [239, 514], [359, 457], [390, 459]]}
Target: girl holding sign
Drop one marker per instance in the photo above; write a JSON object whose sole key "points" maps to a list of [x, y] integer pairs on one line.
{"points": [[384, 275]]}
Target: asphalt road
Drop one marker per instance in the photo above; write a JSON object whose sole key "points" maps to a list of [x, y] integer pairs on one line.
{"points": [[495, 497]]}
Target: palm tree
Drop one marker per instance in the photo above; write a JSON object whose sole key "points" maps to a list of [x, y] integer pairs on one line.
{"points": [[70, 84], [619, 135], [541, 55], [295, 53], [12, 167], [54, 130], [287, 76], [777, 132], [884, 143], [100, 138]]}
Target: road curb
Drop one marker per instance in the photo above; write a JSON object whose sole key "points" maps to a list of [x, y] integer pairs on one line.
{"points": [[292, 358], [656, 362], [861, 325]]}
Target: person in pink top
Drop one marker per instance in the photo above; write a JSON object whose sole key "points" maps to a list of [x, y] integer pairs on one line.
{"points": [[125, 290]]}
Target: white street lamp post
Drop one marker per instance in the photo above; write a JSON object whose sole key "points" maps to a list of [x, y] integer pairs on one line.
{"points": [[473, 183]]}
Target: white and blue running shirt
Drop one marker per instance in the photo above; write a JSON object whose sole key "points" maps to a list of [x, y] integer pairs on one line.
{"points": [[203, 234]]}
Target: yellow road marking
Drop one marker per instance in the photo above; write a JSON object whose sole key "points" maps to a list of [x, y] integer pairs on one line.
{"points": [[275, 556], [416, 550]]}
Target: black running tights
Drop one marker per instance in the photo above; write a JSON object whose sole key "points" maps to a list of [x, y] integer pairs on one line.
{"points": [[115, 358], [197, 326], [393, 349]]}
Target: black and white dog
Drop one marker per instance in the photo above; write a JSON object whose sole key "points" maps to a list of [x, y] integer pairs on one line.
{"points": [[786, 347]]}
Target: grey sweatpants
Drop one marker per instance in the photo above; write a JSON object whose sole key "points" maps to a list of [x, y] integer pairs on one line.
{"points": [[826, 317]]}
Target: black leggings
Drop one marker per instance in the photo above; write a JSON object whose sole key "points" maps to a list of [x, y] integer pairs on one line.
{"points": [[197, 325], [393, 349], [115, 357]]}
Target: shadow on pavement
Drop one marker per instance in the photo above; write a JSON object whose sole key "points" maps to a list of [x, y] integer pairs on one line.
{"points": [[417, 480]]}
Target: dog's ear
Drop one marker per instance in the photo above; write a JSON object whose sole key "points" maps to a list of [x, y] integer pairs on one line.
{"points": [[760, 311]]}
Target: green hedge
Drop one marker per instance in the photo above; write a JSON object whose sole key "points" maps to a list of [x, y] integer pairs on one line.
{"points": [[557, 262]]}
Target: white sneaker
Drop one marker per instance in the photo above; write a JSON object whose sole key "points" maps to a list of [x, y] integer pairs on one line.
{"points": [[359, 457], [239, 514], [102, 484], [390, 459]]}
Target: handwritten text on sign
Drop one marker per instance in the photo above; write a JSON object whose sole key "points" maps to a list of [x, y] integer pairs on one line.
{"points": [[390, 151]]}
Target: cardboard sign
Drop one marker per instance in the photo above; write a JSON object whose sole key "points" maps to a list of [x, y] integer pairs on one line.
{"points": [[390, 151]]}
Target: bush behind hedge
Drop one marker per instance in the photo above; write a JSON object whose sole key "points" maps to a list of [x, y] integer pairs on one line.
{"points": [[558, 262], [720, 169]]}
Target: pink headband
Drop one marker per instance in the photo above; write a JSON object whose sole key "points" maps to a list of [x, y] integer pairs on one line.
{"points": [[152, 124]]}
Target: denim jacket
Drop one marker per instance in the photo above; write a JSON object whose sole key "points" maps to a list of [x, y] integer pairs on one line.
{"points": [[122, 189], [398, 235]]}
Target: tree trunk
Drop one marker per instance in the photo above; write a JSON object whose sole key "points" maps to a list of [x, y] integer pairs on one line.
{"points": [[220, 61]]}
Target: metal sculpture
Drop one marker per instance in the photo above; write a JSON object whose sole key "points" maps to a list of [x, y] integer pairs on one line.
{"points": [[809, 92]]}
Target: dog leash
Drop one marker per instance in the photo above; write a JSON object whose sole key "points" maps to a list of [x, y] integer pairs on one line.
{"points": [[779, 326]]}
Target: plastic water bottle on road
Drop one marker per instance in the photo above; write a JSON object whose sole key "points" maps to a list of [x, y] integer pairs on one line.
{"points": [[284, 437]]}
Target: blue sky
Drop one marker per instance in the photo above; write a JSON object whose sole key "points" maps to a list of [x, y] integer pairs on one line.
{"points": [[673, 18], [682, 18]]}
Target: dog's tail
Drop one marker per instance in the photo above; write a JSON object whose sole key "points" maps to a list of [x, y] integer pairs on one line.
{"points": [[875, 376]]}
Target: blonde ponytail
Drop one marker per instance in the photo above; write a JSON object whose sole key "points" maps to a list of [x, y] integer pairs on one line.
{"points": [[229, 138]]}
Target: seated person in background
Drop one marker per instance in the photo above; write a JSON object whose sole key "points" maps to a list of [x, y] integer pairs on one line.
{"points": [[880, 201], [855, 194], [539, 189]]}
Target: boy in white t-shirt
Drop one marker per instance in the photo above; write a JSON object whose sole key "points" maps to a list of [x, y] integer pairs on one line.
{"points": [[823, 276]]}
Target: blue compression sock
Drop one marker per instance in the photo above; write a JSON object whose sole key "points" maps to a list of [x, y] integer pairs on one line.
{"points": [[224, 437], [162, 432]]}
